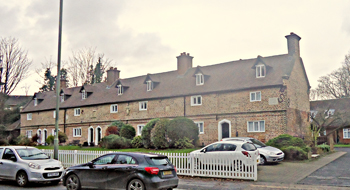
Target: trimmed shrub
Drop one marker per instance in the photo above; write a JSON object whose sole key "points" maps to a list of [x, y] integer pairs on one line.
{"points": [[35, 138], [324, 147], [50, 140], [115, 142], [137, 142], [159, 134], [146, 133], [118, 124], [3, 142], [183, 143], [22, 140], [294, 153], [112, 130], [85, 143], [92, 144], [128, 131], [182, 127], [62, 137], [286, 140]]}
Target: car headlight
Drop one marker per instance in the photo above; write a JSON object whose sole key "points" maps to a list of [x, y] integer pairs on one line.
{"points": [[34, 165], [271, 153]]}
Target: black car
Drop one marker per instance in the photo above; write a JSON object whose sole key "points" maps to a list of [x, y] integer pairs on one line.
{"points": [[123, 170]]}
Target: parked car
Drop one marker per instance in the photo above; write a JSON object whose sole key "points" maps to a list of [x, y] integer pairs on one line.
{"points": [[267, 153], [122, 170], [221, 148], [28, 164]]}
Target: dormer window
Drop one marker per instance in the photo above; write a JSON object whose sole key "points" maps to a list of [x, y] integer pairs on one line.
{"points": [[62, 97], [149, 85], [83, 94], [35, 101], [120, 89], [329, 113], [260, 71], [199, 79]]}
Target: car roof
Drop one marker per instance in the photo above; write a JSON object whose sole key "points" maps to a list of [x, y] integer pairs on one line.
{"points": [[237, 138], [230, 142], [17, 147], [139, 154]]}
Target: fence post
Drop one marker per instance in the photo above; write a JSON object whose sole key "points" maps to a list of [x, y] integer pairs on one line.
{"points": [[192, 164], [75, 157]]}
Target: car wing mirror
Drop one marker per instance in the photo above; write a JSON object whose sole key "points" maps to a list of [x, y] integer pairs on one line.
{"points": [[90, 164], [204, 150]]}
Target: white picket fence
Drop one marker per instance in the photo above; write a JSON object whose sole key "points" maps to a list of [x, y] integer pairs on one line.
{"points": [[230, 165]]}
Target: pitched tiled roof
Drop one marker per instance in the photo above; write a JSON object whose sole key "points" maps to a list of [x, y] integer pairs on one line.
{"points": [[13, 126], [16, 100], [342, 105], [229, 76]]}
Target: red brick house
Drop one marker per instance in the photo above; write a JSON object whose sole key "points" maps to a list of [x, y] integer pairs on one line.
{"points": [[261, 97]]}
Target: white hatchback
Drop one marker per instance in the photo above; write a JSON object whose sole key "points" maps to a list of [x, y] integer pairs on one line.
{"points": [[28, 164]]}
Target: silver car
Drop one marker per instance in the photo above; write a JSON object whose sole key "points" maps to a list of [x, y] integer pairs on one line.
{"points": [[267, 153], [28, 164]]}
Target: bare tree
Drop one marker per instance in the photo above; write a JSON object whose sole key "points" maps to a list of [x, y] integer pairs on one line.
{"points": [[26, 88], [15, 64], [334, 85], [81, 66]]}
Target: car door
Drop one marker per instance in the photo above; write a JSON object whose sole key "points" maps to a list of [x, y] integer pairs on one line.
{"points": [[8, 164], [119, 173], [1, 163], [96, 175]]}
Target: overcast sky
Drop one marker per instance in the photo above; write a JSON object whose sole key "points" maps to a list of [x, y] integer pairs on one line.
{"points": [[146, 36]]}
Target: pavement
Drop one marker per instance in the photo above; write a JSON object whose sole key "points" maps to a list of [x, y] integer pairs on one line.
{"points": [[284, 175]]}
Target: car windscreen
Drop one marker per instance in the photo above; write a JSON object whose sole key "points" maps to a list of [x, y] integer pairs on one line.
{"points": [[31, 154], [248, 147], [159, 161], [257, 143]]}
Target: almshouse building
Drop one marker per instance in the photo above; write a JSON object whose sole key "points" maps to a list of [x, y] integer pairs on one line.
{"points": [[261, 97]]}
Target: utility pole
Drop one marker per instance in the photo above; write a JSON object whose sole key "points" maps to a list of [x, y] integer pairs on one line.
{"points": [[58, 77]]}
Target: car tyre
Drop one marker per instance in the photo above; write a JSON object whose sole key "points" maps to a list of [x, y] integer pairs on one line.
{"points": [[22, 179], [73, 182], [262, 160], [136, 184]]}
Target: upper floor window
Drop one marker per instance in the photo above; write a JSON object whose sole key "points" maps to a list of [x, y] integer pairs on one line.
{"points": [[256, 126], [260, 71], [83, 94], [35, 101], [139, 129], [196, 100], [114, 108], [143, 105], [54, 114], [120, 89], [62, 97], [77, 112], [29, 116], [200, 125], [255, 96], [199, 79], [329, 113], [346, 133], [149, 85], [77, 132]]}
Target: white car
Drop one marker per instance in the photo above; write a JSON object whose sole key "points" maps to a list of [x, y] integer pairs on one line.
{"points": [[267, 153], [222, 148], [28, 164]]}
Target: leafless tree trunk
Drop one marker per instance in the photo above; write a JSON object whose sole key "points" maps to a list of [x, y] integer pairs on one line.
{"points": [[15, 64]]}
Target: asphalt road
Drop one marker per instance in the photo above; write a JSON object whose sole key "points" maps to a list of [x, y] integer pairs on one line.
{"points": [[336, 173]]}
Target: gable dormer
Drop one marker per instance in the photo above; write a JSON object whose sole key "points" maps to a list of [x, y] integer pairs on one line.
{"points": [[260, 67], [85, 91], [37, 99], [65, 94], [121, 88], [200, 76], [150, 82]]}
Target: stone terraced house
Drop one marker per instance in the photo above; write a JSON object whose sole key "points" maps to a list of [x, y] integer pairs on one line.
{"points": [[261, 97]]}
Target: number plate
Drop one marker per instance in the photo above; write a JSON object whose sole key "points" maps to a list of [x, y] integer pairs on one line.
{"points": [[167, 173], [53, 174]]}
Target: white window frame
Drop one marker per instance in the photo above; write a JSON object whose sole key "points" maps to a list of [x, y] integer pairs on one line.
{"points": [[114, 108], [255, 96], [83, 94], [77, 132], [76, 111], [120, 89], [346, 133], [260, 71], [143, 106], [139, 129], [259, 126], [194, 100], [54, 114], [29, 116], [313, 114], [62, 97], [35, 101], [199, 79], [149, 85], [199, 123], [53, 132], [29, 132]]}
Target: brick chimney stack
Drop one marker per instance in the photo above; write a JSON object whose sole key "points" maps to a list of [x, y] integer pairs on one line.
{"points": [[63, 82], [112, 75], [184, 62], [293, 44]]}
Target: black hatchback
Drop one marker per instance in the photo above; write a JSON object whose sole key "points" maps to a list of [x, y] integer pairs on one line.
{"points": [[123, 170]]}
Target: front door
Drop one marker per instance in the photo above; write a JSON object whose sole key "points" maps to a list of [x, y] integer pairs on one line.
{"points": [[91, 135], [225, 129], [45, 137]]}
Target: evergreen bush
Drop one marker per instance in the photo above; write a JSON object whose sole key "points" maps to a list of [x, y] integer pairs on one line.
{"points": [[128, 131], [146, 133], [137, 142], [182, 127], [159, 134], [115, 142]]}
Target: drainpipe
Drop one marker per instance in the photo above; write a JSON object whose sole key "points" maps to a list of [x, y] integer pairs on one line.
{"points": [[184, 106], [64, 121]]}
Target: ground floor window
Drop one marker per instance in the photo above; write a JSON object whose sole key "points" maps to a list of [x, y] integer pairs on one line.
{"points": [[29, 133], [139, 129], [76, 132], [346, 133], [200, 125], [256, 126]]}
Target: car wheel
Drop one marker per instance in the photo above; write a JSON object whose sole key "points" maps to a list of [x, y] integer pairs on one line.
{"points": [[136, 184], [22, 179], [262, 160], [56, 182], [73, 182]]}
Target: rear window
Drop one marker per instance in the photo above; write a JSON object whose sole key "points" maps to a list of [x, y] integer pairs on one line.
{"points": [[248, 147], [159, 161]]}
